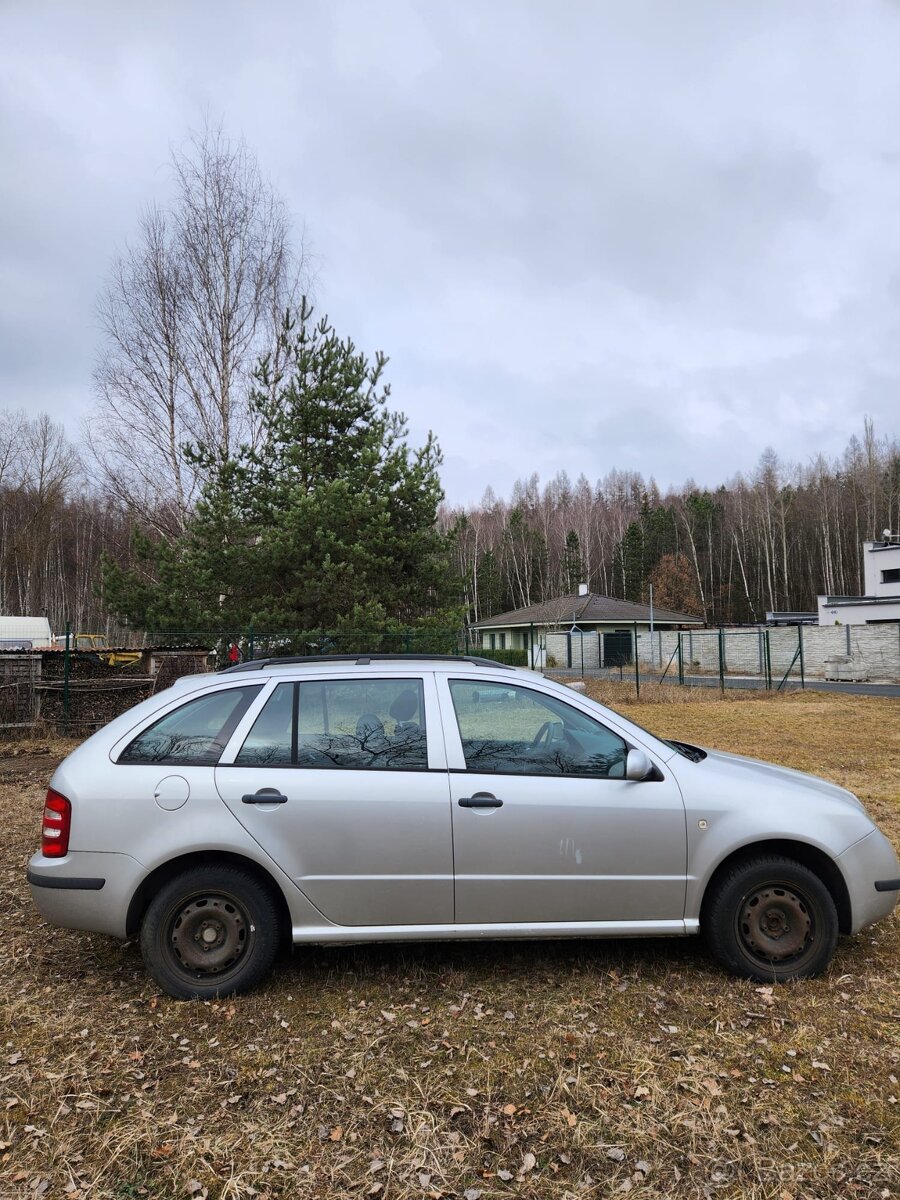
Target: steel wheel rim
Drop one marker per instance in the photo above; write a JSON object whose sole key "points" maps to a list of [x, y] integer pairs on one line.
{"points": [[776, 923], [209, 935]]}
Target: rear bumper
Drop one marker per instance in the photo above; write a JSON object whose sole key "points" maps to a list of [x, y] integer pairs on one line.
{"points": [[65, 882], [85, 890]]}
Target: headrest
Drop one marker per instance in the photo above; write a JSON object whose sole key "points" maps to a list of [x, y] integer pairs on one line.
{"points": [[405, 706]]}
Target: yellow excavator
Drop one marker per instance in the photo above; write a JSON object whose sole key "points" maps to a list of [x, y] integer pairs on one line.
{"points": [[98, 643]]}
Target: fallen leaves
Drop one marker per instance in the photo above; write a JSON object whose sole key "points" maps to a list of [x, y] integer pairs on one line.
{"points": [[389, 1072]]}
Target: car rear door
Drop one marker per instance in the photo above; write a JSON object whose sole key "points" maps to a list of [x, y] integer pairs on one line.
{"points": [[545, 826], [343, 782]]}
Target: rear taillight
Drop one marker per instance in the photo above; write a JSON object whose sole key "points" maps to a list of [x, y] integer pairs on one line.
{"points": [[56, 825]]}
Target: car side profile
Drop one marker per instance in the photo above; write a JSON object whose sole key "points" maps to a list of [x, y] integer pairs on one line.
{"points": [[397, 798]]}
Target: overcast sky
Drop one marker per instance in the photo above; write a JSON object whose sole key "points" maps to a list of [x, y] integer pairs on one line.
{"points": [[655, 236]]}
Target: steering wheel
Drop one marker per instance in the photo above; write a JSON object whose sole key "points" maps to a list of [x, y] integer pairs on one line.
{"points": [[544, 738]]}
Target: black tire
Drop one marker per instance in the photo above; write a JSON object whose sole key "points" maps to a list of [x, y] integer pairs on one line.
{"points": [[772, 919], [210, 932]]}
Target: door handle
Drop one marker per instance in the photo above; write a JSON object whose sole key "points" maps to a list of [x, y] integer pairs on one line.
{"points": [[264, 797], [480, 800]]}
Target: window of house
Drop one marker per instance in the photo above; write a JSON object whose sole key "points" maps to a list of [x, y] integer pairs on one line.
{"points": [[891, 575], [492, 641], [502, 637], [194, 734], [368, 724], [510, 730]]}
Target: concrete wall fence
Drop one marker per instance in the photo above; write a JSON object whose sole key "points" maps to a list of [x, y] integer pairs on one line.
{"points": [[874, 651], [855, 651]]}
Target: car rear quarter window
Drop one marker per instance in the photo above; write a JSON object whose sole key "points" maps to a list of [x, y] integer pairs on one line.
{"points": [[270, 741], [353, 724], [511, 730], [194, 734]]}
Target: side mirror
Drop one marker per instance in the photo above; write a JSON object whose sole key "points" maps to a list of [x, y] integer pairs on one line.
{"points": [[637, 766]]}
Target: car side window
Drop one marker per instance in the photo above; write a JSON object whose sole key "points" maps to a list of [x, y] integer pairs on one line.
{"points": [[195, 734], [270, 741], [375, 724], [366, 724], [511, 730]]}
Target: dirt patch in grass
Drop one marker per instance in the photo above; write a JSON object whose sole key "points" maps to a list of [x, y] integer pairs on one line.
{"points": [[536, 1070], [32, 757]]}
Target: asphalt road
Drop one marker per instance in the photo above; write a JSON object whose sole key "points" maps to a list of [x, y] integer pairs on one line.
{"points": [[751, 683]]}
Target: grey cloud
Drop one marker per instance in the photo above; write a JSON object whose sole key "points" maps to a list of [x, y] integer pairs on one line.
{"points": [[649, 235]]}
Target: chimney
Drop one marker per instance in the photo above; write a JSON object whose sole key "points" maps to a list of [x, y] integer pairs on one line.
{"points": [[582, 589]]}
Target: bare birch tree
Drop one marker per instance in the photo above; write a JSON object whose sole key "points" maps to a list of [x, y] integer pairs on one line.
{"points": [[187, 312]]}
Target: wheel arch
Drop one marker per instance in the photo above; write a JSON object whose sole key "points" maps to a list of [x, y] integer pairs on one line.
{"points": [[161, 875], [802, 852]]}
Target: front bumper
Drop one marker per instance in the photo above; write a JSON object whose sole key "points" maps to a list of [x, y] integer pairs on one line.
{"points": [[866, 864], [85, 890]]}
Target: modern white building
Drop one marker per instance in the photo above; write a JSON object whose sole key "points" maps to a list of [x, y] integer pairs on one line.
{"points": [[881, 603]]}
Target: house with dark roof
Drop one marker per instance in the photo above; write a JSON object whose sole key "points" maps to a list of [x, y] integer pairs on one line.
{"points": [[582, 629]]}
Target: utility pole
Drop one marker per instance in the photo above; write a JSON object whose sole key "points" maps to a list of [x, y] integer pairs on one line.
{"points": [[652, 658]]}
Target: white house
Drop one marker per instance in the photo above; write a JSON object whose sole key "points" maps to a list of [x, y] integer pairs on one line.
{"points": [[881, 603], [585, 629]]}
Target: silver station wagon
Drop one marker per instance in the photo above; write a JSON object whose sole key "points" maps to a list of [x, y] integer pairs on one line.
{"points": [[375, 798]]}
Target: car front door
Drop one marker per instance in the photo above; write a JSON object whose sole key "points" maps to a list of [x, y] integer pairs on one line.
{"points": [[545, 826], [343, 782]]}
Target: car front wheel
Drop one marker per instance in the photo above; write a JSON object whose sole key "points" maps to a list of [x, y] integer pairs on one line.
{"points": [[210, 932], [772, 919]]}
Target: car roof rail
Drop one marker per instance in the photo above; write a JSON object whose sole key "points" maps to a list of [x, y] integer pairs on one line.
{"points": [[362, 660]]}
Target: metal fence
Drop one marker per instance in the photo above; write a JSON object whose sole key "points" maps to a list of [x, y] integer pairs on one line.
{"points": [[712, 658], [770, 659], [84, 683]]}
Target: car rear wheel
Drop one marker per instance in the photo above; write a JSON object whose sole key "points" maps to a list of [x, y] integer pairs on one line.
{"points": [[772, 919], [210, 932]]}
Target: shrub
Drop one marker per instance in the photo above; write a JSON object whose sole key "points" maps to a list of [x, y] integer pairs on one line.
{"points": [[509, 658]]}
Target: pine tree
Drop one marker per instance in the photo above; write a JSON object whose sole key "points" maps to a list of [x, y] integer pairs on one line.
{"points": [[573, 563], [328, 522]]}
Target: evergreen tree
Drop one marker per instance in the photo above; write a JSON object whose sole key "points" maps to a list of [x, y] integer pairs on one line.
{"points": [[573, 562], [327, 522], [646, 540]]}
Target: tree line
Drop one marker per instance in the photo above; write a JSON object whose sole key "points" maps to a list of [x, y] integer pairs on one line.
{"points": [[770, 540]]}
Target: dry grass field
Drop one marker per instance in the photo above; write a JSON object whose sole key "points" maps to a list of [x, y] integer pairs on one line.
{"points": [[540, 1070]]}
